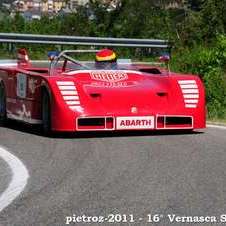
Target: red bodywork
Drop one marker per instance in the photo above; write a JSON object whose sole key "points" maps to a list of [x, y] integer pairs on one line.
{"points": [[133, 98]]}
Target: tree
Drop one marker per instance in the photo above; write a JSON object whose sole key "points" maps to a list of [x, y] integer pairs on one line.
{"points": [[213, 18]]}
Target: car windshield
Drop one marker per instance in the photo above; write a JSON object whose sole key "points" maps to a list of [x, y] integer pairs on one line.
{"points": [[83, 65], [67, 62]]}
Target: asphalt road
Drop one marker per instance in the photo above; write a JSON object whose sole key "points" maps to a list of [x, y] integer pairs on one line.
{"points": [[127, 173]]}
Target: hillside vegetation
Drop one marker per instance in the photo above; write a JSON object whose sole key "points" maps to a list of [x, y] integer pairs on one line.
{"points": [[198, 31]]}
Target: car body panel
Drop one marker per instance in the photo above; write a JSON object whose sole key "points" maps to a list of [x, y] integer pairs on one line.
{"points": [[132, 98]]}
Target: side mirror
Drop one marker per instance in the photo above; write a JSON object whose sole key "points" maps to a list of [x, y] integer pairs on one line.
{"points": [[52, 55], [164, 58]]}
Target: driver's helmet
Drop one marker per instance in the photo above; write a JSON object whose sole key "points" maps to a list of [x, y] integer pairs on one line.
{"points": [[105, 58]]}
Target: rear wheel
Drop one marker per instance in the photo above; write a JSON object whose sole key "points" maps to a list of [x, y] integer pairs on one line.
{"points": [[3, 116], [46, 113]]}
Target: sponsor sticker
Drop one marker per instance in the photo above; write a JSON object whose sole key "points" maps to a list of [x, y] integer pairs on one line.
{"points": [[32, 84], [141, 122], [109, 76], [112, 84], [21, 85]]}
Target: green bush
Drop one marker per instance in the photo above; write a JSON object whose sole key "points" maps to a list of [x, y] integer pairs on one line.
{"points": [[209, 63], [215, 84]]}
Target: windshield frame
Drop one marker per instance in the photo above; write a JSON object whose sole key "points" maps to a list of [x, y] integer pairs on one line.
{"points": [[65, 57]]}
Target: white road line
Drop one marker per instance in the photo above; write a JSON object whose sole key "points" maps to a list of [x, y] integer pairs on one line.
{"points": [[19, 179], [216, 126]]}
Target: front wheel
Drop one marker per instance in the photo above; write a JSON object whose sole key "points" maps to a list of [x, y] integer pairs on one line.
{"points": [[46, 114], [3, 115]]}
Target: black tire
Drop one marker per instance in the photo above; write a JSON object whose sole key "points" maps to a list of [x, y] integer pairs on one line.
{"points": [[3, 115], [46, 114]]}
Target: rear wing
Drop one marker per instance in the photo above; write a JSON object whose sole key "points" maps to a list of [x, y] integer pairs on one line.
{"points": [[15, 38]]}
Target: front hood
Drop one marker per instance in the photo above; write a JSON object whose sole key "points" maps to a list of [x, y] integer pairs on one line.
{"points": [[122, 92]]}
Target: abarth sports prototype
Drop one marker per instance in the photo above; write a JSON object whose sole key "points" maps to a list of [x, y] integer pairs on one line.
{"points": [[72, 95]]}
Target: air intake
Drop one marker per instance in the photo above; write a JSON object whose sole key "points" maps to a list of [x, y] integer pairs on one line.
{"points": [[174, 122], [95, 123]]}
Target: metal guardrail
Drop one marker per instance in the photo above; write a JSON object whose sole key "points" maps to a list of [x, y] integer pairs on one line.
{"points": [[15, 38]]}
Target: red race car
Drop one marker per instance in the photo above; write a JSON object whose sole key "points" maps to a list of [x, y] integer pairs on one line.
{"points": [[107, 95]]}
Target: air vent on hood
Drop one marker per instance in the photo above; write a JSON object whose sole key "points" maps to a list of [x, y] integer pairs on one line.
{"points": [[95, 95], [162, 94], [154, 71]]}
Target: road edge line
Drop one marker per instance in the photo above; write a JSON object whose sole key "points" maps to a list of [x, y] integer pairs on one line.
{"points": [[20, 176], [216, 126]]}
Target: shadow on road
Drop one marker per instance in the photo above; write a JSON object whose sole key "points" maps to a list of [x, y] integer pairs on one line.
{"points": [[35, 130]]}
